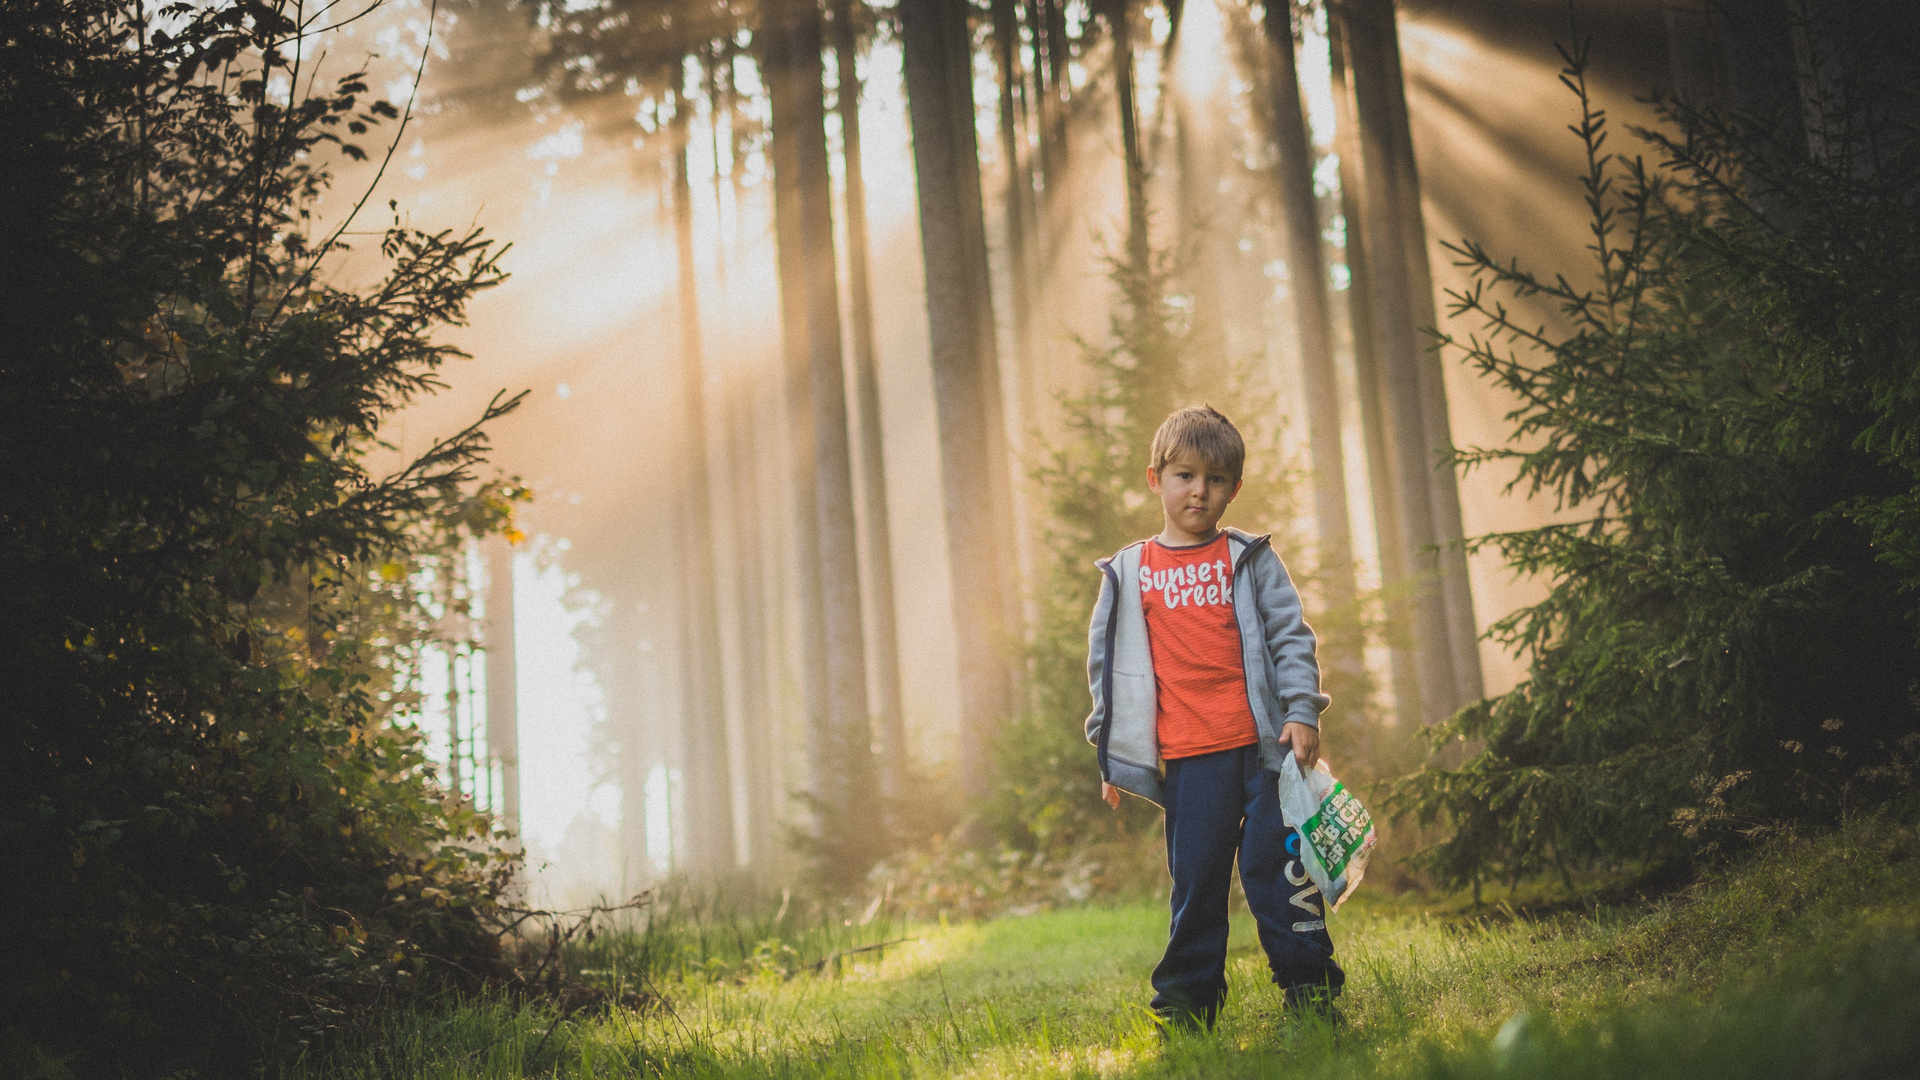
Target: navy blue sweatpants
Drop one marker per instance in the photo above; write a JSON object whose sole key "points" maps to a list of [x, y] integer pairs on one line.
{"points": [[1219, 805]]}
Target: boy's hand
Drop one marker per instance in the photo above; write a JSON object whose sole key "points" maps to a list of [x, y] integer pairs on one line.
{"points": [[1110, 794], [1305, 741]]}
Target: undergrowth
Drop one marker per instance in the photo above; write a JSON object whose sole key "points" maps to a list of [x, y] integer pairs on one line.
{"points": [[1799, 961]]}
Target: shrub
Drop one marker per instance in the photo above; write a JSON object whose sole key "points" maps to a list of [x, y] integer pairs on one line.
{"points": [[218, 840]]}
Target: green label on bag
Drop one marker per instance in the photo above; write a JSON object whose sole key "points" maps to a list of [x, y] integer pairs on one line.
{"points": [[1339, 830]]}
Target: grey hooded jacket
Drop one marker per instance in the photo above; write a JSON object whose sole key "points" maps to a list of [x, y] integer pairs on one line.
{"points": [[1276, 650]]}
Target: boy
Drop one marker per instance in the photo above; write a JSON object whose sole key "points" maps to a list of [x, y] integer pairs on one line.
{"points": [[1203, 677]]}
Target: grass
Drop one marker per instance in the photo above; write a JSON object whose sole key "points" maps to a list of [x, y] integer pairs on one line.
{"points": [[1802, 961]]}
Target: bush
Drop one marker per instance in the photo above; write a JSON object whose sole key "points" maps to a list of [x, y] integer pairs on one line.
{"points": [[1728, 640], [218, 839]]}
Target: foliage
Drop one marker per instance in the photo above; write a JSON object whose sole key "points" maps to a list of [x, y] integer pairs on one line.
{"points": [[679, 932], [218, 836], [1803, 951], [940, 878], [1728, 640]]}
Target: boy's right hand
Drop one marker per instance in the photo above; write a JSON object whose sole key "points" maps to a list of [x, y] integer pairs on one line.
{"points": [[1304, 741], [1110, 794]]}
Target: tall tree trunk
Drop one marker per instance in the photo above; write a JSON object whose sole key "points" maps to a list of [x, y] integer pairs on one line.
{"points": [[1033, 121], [642, 745], [1019, 190], [1006, 42], [1366, 367], [1443, 481], [784, 87], [885, 654], [1194, 220], [844, 785], [936, 53], [1446, 648], [1059, 81], [1042, 119], [716, 107], [751, 615], [503, 682], [1139, 250], [1314, 328], [709, 775]]}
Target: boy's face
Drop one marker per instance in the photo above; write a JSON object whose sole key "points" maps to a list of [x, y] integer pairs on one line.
{"points": [[1193, 494]]}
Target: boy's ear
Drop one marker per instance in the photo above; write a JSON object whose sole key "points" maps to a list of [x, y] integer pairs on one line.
{"points": [[1153, 480], [1235, 493]]}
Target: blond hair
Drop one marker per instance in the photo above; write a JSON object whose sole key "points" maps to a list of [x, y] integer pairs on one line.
{"points": [[1200, 430]]}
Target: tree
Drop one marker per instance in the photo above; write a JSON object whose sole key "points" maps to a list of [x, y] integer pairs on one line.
{"points": [[218, 836], [710, 825], [1387, 532], [1019, 186], [1728, 640], [622, 49], [1400, 288], [937, 55], [877, 531], [1119, 15], [1313, 325], [843, 789]]}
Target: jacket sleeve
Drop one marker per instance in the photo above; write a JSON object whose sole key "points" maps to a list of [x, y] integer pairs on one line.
{"points": [[1097, 657], [1290, 643]]}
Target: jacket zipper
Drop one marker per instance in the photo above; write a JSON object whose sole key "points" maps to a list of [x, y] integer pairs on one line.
{"points": [[1106, 670]]}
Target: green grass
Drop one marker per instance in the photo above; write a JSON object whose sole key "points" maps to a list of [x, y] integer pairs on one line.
{"points": [[1803, 961]]}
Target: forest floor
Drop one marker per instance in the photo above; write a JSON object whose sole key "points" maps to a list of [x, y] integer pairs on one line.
{"points": [[1802, 960]]}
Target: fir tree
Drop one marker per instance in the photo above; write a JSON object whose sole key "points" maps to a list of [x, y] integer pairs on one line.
{"points": [[1728, 639]]}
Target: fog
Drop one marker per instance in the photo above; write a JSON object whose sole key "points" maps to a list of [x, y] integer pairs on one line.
{"points": [[588, 325]]}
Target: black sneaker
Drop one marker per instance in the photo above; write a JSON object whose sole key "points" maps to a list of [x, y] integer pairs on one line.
{"points": [[1311, 1002], [1168, 1022]]}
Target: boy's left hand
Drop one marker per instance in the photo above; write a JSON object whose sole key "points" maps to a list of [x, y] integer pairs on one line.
{"points": [[1305, 741]]}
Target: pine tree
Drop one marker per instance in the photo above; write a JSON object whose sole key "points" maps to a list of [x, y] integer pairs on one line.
{"points": [[1728, 642], [219, 840]]}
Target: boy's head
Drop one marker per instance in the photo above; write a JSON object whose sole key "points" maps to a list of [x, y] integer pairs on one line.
{"points": [[1202, 433], [1197, 459]]}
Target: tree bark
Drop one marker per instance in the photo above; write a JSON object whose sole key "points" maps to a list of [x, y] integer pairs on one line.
{"points": [[783, 89], [1139, 247], [710, 840], [1059, 83], [1366, 366], [843, 775], [1019, 238], [1199, 244], [752, 616], [1042, 119], [1006, 41], [936, 55], [503, 683], [885, 655], [1446, 647], [1313, 326], [716, 107]]}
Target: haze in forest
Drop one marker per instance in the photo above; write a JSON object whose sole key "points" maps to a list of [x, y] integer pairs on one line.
{"points": [[588, 324]]}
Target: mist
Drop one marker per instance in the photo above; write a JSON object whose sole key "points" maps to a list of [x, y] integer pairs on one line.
{"points": [[590, 323]]}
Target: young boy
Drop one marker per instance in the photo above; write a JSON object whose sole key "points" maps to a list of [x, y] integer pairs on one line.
{"points": [[1203, 678]]}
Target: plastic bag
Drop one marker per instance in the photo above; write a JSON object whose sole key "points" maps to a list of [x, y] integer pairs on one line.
{"points": [[1336, 833]]}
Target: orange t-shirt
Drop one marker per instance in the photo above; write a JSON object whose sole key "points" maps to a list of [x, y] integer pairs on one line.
{"points": [[1188, 596]]}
